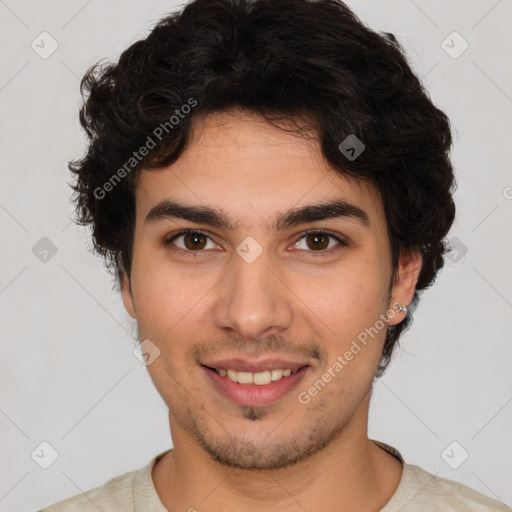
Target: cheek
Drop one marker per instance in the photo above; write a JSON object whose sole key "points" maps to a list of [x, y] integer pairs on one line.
{"points": [[345, 295], [344, 310], [168, 296]]}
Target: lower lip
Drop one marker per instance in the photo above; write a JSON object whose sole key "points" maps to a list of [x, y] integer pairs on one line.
{"points": [[254, 394]]}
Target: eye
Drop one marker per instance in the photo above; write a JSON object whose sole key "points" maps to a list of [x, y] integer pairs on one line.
{"points": [[195, 242], [318, 240]]}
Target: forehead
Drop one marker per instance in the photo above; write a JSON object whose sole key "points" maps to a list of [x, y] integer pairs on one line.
{"points": [[244, 165]]}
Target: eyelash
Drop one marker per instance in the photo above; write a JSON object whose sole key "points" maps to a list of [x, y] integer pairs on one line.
{"points": [[195, 254]]}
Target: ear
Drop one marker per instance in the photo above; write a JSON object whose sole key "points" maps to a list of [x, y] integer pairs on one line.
{"points": [[126, 291], [405, 282]]}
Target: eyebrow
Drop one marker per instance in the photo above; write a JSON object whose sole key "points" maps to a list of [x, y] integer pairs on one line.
{"points": [[168, 209]]}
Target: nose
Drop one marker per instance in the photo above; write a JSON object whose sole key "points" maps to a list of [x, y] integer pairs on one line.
{"points": [[253, 300]]}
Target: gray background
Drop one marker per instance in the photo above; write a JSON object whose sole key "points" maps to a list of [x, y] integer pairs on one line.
{"points": [[68, 373]]}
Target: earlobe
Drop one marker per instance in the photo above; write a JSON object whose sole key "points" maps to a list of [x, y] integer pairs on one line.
{"points": [[127, 294], [410, 266]]}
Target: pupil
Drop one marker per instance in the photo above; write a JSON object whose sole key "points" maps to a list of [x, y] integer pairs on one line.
{"points": [[194, 244], [317, 238]]}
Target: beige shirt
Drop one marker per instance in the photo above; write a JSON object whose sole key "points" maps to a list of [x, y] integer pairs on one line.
{"points": [[418, 491]]}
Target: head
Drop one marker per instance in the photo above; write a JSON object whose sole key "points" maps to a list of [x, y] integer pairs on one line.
{"points": [[245, 110]]}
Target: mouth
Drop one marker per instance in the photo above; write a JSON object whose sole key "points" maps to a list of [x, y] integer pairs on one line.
{"points": [[255, 388]]}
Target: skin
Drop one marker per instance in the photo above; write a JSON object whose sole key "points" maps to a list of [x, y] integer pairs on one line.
{"points": [[287, 303]]}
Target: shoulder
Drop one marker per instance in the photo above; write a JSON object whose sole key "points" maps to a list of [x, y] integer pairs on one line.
{"points": [[422, 491], [116, 492]]}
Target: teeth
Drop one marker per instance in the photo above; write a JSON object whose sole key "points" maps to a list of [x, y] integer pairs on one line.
{"points": [[244, 377], [277, 374], [258, 378]]}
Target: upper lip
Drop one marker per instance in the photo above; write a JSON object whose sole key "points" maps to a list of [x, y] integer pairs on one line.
{"points": [[243, 365]]}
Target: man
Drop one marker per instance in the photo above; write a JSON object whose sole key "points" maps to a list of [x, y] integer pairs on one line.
{"points": [[272, 186]]}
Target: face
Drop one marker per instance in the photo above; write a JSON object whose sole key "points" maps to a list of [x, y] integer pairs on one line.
{"points": [[258, 287]]}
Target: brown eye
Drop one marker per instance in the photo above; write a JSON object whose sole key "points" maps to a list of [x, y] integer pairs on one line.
{"points": [[192, 244], [194, 241], [319, 242]]}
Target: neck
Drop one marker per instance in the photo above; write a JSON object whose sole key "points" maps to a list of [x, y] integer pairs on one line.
{"points": [[351, 473]]}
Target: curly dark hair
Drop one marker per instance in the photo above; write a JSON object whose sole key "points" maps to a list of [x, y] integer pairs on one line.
{"points": [[282, 59]]}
